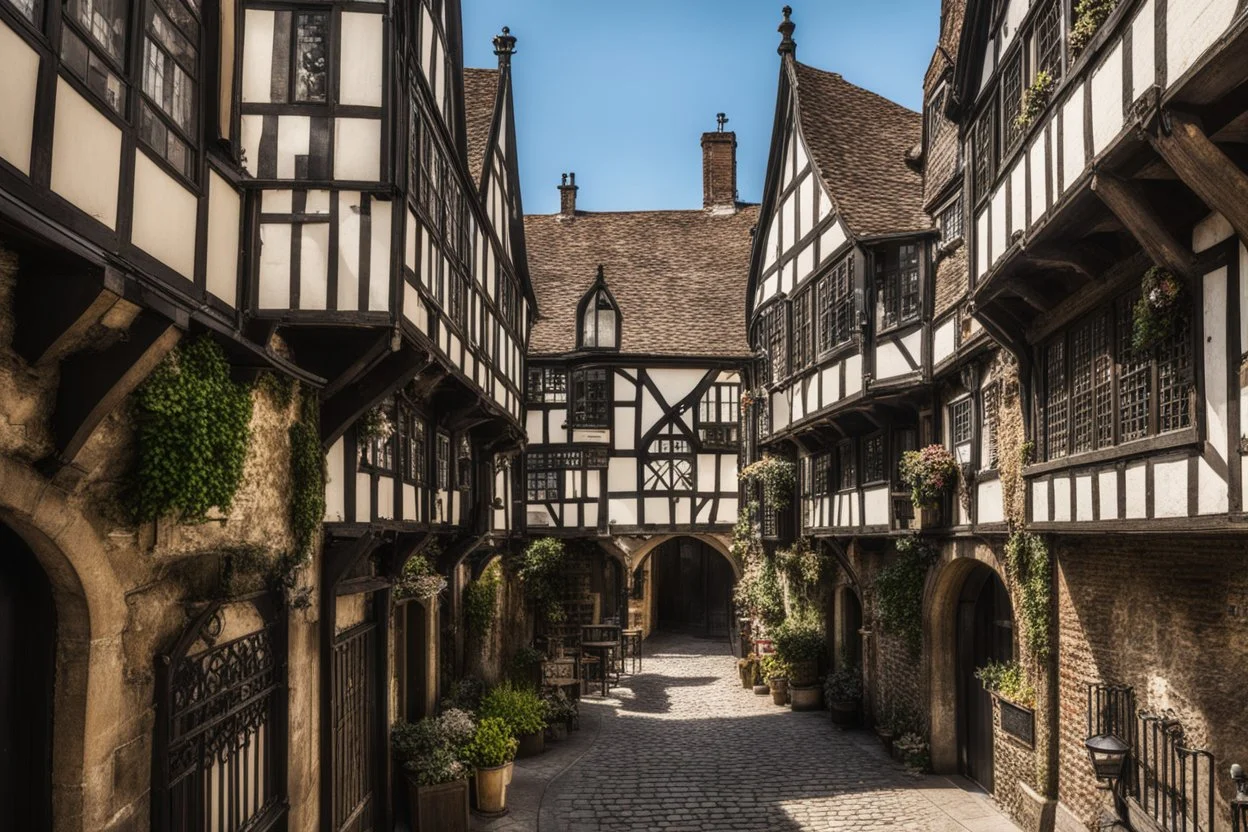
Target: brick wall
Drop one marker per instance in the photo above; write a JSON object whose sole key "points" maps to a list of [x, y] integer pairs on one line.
{"points": [[1168, 617], [951, 281]]}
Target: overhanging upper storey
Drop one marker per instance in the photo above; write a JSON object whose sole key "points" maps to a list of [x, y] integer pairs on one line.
{"points": [[838, 294]]}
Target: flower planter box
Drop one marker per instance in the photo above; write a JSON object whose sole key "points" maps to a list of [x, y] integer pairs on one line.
{"points": [[1017, 721], [531, 744], [805, 698], [803, 674], [440, 808]]}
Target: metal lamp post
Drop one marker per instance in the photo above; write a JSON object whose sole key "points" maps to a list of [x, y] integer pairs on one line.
{"points": [[1109, 759], [1239, 803]]}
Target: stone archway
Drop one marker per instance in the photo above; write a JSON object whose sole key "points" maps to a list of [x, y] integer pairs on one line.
{"points": [[90, 611], [654, 567], [946, 588]]}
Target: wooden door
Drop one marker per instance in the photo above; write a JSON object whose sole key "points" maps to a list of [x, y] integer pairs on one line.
{"points": [[27, 667], [984, 635]]}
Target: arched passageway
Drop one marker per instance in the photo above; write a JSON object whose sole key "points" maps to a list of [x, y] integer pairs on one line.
{"points": [[984, 634], [27, 671], [687, 586]]}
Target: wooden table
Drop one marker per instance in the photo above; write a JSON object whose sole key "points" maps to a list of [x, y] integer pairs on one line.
{"points": [[630, 648], [600, 632], [605, 651]]}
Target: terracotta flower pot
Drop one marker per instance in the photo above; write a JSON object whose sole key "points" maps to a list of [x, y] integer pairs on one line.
{"points": [[443, 807], [492, 789], [779, 690], [531, 744]]}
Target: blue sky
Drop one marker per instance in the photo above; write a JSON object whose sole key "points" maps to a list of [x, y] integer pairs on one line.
{"points": [[621, 91]]}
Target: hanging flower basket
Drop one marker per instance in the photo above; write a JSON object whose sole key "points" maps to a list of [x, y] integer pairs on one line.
{"points": [[929, 473], [1159, 311], [376, 424], [1035, 99], [748, 399], [777, 476]]}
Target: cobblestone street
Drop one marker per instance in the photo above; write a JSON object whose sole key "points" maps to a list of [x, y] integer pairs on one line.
{"points": [[683, 747]]}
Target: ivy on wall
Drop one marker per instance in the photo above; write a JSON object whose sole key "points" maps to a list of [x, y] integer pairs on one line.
{"points": [[899, 589], [307, 478], [193, 432], [481, 599], [541, 574], [1028, 566], [758, 593]]}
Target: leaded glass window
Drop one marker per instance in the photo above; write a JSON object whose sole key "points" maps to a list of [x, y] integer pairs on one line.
{"points": [[1056, 411], [802, 346], [1134, 379], [836, 305], [1174, 380], [960, 431], [773, 337], [897, 281], [590, 399], [167, 117], [669, 465], [93, 45], [1011, 100], [819, 465], [719, 415], [873, 467], [548, 385], [599, 322], [985, 151], [1048, 42], [415, 451], [847, 466], [312, 57], [443, 460], [543, 486], [950, 221]]}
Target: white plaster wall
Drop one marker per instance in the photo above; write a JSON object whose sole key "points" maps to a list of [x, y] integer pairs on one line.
{"points": [[1107, 100], [1073, 155], [1191, 27], [1170, 488], [18, 84], [1143, 50], [362, 49], [86, 156], [1213, 497], [357, 149], [335, 496], [1039, 501]]}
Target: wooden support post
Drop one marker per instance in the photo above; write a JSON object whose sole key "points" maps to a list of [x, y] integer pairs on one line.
{"points": [[57, 307], [93, 383], [1128, 204], [1202, 166]]}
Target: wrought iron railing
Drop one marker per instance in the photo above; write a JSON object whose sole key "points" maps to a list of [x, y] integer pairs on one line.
{"points": [[1167, 779]]}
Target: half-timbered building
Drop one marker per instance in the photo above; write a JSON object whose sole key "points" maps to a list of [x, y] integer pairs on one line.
{"points": [[634, 378], [1105, 225], [324, 192]]}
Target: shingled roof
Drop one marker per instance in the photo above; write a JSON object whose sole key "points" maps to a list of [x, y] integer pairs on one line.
{"points": [[678, 277], [480, 94], [859, 141]]}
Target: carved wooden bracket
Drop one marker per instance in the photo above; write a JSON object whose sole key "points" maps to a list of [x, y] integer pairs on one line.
{"points": [[1129, 205]]}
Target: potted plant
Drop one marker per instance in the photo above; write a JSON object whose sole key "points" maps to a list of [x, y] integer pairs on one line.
{"points": [[910, 748], [1016, 698], [929, 473], [777, 676], [523, 712], [491, 753], [748, 668], [799, 643], [431, 754], [560, 713], [842, 691], [526, 666]]}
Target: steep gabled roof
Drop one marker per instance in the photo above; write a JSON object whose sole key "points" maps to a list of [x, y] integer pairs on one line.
{"points": [[480, 98], [859, 142], [678, 277]]}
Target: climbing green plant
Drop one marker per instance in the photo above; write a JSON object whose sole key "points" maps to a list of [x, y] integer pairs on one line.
{"points": [[776, 475], [307, 479], [193, 431], [1029, 569], [481, 599], [541, 574], [758, 593], [1160, 310], [1008, 679], [418, 579], [1035, 99], [1089, 15], [899, 589]]}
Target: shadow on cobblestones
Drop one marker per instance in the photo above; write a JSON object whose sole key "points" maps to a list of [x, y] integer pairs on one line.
{"points": [[684, 747]]}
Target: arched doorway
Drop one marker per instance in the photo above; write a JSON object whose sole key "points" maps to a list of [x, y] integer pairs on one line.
{"points": [[27, 671], [848, 626], [984, 634], [690, 587]]}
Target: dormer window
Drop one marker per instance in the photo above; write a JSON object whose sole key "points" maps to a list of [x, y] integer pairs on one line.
{"points": [[599, 318]]}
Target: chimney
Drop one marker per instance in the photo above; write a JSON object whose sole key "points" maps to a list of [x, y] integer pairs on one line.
{"points": [[719, 168], [567, 195]]}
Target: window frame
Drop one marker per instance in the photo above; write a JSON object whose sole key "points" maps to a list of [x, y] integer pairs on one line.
{"points": [[578, 404], [836, 307], [598, 300], [953, 207], [442, 460], [661, 466], [874, 459], [415, 454], [896, 281], [847, 466], [720, 399], [550, 392]]}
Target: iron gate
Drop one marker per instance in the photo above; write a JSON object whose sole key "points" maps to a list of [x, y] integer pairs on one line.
{"points": [[354, 659], [221, 742]]}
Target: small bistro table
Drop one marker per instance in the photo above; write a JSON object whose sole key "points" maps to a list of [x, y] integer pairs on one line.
{"points": [[630, 650], [605, 652]]}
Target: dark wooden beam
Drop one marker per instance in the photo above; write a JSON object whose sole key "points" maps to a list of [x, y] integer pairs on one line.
{"points": [[367, 360], [339, 412], [341, 554], [1031, 294], [1071, 258], [454, 554], [93, 383], [1127, 202], [56, 306], [1202, 166]]}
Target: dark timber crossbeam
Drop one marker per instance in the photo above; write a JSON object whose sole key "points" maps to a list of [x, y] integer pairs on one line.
{"points": [[1202, 166], [339, 411], [93, 383], [56, 308], [1128, 204]]}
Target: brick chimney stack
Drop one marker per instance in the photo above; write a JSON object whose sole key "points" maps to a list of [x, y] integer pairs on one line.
{"points": [[719, 168], [567, 195]]}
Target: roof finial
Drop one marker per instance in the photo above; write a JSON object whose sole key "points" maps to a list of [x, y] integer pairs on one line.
{"points": [[721, 119], [788, 46], [602, 278], [504, 47]]}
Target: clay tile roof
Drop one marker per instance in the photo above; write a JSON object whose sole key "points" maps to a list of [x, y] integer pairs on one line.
{"points": [[679, 278], [480, 93], [860, 141]]}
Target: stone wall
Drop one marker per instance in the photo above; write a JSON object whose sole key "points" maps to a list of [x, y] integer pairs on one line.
{"points": [[124, 591], [1169, 617]]}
